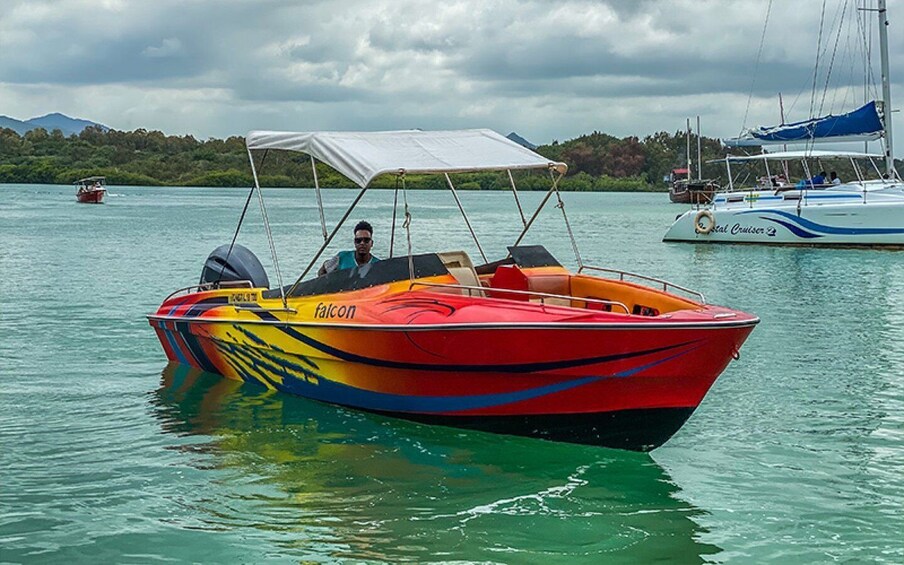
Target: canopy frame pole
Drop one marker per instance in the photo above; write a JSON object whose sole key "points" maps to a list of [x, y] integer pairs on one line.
{"points": [[554, 187], [328, 240], [574, 243], [395, 206], [319, 198], [878, 172], [241, 220], [517, 201], [260, 198], [857, 171], [465, 216]]}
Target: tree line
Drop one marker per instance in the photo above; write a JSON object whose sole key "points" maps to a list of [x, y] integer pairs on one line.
{"points": [[596, 162]]}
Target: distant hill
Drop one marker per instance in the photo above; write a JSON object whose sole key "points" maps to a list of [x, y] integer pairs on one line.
{"points": [[49, 122], [17, 126], [521, 141]]}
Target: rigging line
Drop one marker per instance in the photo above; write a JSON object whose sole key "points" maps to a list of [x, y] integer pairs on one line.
{"points": [[822, 18], [407, 225], [756, 67], [825, 88], [869, 77], [241, 219], [810, 141]]}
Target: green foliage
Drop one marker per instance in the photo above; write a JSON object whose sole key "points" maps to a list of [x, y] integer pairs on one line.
{"points": [[596, 162], [232, 177]]}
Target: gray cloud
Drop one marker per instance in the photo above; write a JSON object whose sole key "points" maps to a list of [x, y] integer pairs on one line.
{"points": [[549, 70]]}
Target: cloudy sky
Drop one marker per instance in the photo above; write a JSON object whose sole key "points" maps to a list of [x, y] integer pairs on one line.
{"points": [[546, 69]]}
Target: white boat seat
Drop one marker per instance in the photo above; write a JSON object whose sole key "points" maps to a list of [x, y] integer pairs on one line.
{"points": [[459, 264]]}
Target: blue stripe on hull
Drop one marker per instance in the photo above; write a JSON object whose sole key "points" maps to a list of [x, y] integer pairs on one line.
{"points": [[822, 229]]}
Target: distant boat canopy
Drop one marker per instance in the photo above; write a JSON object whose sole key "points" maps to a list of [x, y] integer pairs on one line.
{"points": [[863, 124]]}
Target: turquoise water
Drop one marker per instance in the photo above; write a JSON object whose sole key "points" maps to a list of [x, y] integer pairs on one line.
{"points": [[108, 455]]}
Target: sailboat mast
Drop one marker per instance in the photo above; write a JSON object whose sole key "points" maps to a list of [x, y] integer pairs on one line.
{"points": [[886, 88], [688, 149], [699, 156]]}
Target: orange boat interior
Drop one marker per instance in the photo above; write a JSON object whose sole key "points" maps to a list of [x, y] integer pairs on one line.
{"points": [[555, 285]]}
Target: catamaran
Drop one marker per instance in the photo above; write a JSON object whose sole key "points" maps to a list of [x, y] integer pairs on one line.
{"points": [[519, 345], [867, 210]]}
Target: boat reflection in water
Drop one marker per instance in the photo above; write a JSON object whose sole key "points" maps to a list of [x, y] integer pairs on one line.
{"points": [[322, 481]]}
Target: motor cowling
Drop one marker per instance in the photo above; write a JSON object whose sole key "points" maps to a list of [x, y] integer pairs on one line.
{"points": [[239, 264]]}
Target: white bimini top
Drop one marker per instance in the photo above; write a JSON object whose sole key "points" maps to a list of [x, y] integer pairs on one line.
{"points": [[362, 156]]}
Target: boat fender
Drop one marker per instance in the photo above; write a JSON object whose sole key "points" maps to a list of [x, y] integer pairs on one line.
{"points": [[704, 222]]}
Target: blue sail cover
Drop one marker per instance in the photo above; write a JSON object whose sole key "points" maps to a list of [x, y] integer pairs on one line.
{"points": [[863, 124]]}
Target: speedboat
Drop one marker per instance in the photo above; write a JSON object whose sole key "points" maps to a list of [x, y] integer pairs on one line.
{"points": [[862, 213], [519, 345], [91, 190]]}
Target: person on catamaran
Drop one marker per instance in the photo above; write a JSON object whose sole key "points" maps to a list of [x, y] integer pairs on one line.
{"points": [[361, 255], [816, 180], [834, 178]]}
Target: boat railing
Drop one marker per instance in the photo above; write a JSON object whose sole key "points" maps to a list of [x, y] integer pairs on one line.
{"points": [[209, 286], [666, 285], [482, 290]]}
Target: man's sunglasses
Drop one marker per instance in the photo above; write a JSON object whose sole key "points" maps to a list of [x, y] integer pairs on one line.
{"points": [[362, 240]]}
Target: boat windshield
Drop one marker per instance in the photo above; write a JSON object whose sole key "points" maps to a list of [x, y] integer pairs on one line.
{"points": [[397, 269]]}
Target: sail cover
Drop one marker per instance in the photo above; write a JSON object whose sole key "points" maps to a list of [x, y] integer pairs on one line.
{"points": [[362, 156], [863, 124]]}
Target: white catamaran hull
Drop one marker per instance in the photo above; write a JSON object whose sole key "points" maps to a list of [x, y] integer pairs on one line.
{"points": [[812, 217]]}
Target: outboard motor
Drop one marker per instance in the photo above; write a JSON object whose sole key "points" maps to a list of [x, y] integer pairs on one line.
{"points": [[240, 265]]}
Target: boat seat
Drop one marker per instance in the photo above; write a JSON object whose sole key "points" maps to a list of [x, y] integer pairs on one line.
{"points": [[550, 284], [508, 277], [459, 265]]}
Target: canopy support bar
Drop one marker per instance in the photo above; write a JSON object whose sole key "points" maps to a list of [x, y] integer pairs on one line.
{"points": [[260, 198], [241, 221], [319, 198], [327, 242], [465, 216], [553, 188], [574, 243], [517, 201]]}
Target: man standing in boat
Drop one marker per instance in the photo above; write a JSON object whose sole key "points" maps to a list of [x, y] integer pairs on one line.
{"points": [[361, 255]]}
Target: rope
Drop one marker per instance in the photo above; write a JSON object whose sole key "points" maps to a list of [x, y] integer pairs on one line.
{"points": [[825, 88], [822, 17], [756, 67], [407, 225], [395, 205]]}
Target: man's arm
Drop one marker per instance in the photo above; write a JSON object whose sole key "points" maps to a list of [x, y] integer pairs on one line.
{"points": [[329, 265]]}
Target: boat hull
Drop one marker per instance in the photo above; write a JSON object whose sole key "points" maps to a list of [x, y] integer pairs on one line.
{"points": [[822, 219], [693, 193], [607, 385], [91, 196]]}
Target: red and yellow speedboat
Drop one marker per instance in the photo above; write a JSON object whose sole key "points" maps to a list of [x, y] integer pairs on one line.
{"points": [[519, 346]]}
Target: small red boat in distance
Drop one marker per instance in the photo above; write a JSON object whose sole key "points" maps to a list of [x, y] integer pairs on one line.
{"points": [[91, 190]]}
